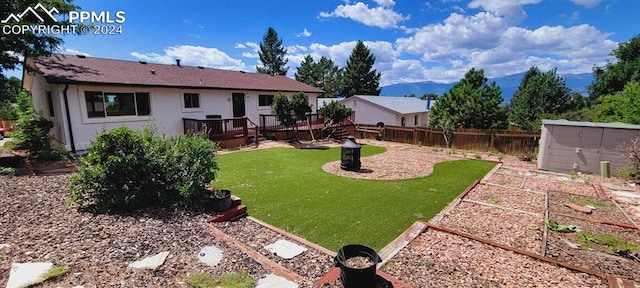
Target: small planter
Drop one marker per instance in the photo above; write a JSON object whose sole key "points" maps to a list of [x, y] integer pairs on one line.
{"points": [[220, 200], [357, 265]]}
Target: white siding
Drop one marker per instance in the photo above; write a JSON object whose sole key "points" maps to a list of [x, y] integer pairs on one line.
{"points": [[367, 113], [167, 109]]}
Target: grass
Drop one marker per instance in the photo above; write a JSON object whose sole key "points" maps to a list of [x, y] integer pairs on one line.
{"points": [[589, 201], [231, 280], [53, 272], [611, 242], [288, 188]]}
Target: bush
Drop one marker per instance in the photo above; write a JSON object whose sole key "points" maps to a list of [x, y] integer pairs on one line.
{"points": [[127, 170], [33, 134], [629, 173]]}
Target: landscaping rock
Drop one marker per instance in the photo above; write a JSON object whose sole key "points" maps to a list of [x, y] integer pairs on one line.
{"points": [[25, 274], [2, 246], [285, 249], [210, 255], [275, 281], [578, 208], [151, 262]]}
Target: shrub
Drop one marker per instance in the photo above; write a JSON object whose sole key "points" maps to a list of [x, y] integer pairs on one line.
{"points": [[630, 149], [33, 134], [126, 170]]}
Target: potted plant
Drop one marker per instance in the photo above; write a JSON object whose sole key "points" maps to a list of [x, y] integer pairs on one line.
{"points": [[219, 199]]}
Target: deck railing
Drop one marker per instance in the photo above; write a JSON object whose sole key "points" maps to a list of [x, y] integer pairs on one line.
{"points": [[218, 129], [270, 123]]}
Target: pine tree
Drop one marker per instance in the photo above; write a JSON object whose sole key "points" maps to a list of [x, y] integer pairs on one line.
{"points": [[272, 54], [359, 76], [306, 71], [329, 77]]}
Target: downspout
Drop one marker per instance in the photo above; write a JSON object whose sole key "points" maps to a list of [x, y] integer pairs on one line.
{"points": [[66, 107]]}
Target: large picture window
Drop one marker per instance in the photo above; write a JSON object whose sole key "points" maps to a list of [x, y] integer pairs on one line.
{"points": [[111, 104], [265, 100], [191, 100]]}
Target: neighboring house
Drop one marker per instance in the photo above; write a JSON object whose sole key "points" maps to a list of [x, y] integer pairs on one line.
{"points": [[572, 146], [323, 101], [394, 111], [85, 95]]}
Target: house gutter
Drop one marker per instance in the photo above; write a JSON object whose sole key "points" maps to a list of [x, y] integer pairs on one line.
{"points": [[66, 108]]}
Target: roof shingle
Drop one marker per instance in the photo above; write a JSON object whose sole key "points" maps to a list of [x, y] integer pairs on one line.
{"points": [[72, 69]]}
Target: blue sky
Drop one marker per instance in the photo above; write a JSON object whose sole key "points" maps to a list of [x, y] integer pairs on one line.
{"points": [[436, 40]]}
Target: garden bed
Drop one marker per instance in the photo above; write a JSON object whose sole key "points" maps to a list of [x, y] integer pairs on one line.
{"points": [[508, 197], [514, 229], [591, 255], [438, 259], [542, 182], [605, 210], [514, 181]]}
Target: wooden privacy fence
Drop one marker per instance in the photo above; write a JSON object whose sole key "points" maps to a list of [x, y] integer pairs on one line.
{"points": [[505, 141], [7, 123]]}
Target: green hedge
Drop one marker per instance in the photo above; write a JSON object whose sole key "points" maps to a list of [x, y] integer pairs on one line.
{"points": [[127, 170]]}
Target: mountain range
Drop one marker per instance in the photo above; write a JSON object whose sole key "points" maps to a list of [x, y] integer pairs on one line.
{"points": [[508, 85]]}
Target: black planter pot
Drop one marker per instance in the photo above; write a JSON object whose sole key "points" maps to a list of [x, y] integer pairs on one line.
{"points": [[357, 277], [220, 200]]}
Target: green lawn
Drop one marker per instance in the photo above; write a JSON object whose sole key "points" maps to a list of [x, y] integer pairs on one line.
{"points": [[288, 188]]}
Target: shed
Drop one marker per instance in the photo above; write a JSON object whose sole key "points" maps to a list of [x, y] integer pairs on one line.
{"points": [[572, 146], [389, 110]]}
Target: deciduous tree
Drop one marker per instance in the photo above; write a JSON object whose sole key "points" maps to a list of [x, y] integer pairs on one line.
{"points": [[471, 103], [614, 76], [621, 107], [539, 93], [272, 54]]}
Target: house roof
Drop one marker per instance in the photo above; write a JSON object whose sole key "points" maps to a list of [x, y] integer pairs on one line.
{"points": [[563, 122], [398, 105], [74, 69]]}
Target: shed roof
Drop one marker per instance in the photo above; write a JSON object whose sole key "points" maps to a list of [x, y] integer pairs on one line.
{"points": [[77, 69], [399, 105], [615, 125]]}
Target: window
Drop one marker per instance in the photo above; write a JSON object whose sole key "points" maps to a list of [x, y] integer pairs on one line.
{"points": [[50, 104], [403, 121], [110, 104], [415, 120], [191, 100], [265, 100]]}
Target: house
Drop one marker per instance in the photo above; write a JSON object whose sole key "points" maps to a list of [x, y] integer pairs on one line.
{"points": [[573, 146], [394, 111], [85, 95]]}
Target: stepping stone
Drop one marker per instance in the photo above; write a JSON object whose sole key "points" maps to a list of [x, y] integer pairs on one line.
{"points": [[275, 281], [26, 274], [151, 262], [210, 255], [285, 249]]}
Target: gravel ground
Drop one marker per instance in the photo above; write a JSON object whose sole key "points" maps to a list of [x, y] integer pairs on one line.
{"points": [[311, 264], [514, 229], [38, 226], [437, 259], [605, 209], [513, 181], [542, 182]]}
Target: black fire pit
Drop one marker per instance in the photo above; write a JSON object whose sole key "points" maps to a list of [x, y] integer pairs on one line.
{"points": [[350, 158]]}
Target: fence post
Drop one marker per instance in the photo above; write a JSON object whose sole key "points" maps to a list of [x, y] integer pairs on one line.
{"points": [[493, 135], [415, 136]]}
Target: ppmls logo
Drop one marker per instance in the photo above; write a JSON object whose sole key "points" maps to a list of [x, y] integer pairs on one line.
{"points": [[79, 22], [33, 11]]}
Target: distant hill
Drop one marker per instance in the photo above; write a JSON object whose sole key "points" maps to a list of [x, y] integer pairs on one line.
{"points": [[508, 85]]}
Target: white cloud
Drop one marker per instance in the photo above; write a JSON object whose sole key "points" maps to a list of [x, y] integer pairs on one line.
{"points": [[304, 33], [194, 55], [239, 46], [294, 49], [382, 16], [385, 3], [587, 3], [510, 9], [73, 51]]}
